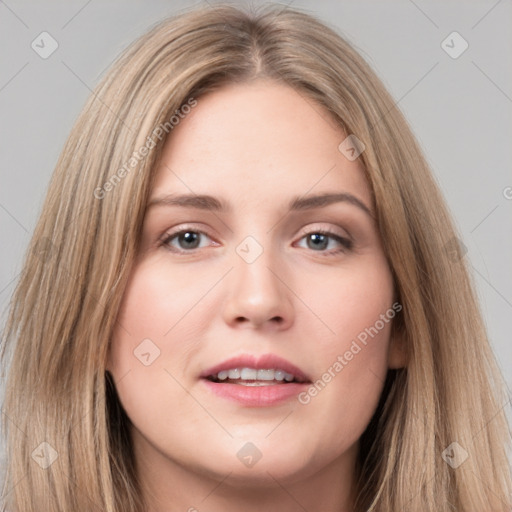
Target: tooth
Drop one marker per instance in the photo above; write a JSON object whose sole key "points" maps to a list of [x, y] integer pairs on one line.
{"points": [[265, 374], [279, 374], [249, 374], [246, 383], [234, 374]]}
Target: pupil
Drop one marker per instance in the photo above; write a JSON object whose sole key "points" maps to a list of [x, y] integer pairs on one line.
{"points": [[189, 239], [319, 238]]}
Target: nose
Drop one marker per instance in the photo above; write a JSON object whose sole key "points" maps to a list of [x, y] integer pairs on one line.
{"points": [[258, 296]]}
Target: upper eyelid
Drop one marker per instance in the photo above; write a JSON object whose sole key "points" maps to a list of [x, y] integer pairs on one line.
{"points": [[306, 231]]}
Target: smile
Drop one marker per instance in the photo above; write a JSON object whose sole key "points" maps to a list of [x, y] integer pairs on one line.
{"points": [[255, 381], [253, 376]]}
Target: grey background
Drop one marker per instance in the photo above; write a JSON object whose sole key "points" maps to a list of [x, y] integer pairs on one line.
{"points": [[460, 110]]}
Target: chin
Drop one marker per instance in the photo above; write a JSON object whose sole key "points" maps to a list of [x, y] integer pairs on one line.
{"points": [[260, 463]]}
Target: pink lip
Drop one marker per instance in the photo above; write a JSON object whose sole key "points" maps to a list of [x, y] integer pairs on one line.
{"points": [[256, 396]]}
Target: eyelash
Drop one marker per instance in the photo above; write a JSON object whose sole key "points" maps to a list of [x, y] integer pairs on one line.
{"points": [[346, 244]]}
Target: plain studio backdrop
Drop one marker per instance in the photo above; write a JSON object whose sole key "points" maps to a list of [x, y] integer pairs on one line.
{"points": [[447, 64]]}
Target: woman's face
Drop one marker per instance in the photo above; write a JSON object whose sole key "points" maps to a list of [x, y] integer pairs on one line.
{"points": [[262, 274]]}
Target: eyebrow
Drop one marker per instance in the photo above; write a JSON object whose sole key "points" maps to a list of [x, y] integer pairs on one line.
{"points": [[299, 203]]}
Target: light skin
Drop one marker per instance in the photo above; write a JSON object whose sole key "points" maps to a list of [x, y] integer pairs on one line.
{"points": [[255, 147]]}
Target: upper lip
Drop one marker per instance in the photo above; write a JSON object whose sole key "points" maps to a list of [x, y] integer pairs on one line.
{"points": [[261, 362]]}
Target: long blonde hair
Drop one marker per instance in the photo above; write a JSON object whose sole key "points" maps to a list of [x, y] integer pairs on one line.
{"points": [[67, 441]]}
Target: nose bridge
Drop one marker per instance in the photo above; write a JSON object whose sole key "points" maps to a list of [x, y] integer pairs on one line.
{"points": [[253, 272], [253, 275], [257, 292]]}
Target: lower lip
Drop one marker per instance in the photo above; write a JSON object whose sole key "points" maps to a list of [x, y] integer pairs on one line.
{"points": [[256, 396]]}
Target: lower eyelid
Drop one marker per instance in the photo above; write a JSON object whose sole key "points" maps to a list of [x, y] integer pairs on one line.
{"points": [[345, 242], [167, 237]]}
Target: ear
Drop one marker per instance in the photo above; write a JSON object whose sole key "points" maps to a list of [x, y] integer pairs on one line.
{"points": [[108, 366], [397, 350]]}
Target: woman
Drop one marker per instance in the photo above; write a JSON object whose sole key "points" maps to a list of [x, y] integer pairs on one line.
{"points": [[245, 290]]}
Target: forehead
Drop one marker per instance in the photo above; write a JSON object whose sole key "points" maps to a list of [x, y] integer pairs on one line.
{"points": [[262, 140]]}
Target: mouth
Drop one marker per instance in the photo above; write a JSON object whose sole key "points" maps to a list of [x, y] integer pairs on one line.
{"points": [[255, 381], [254, 377]]}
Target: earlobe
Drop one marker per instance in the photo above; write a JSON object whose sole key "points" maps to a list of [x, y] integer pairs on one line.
{"points": [[397, 351], [108, 365]]}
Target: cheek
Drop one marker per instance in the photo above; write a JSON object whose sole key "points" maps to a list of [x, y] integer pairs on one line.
{"points": [[343, 306], [352, 304], [152, 309], [351, 355], [144, 355]]}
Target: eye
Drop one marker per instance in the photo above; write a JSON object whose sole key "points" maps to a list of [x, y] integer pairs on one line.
{"points": [[320, 240], [185, 240]]}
